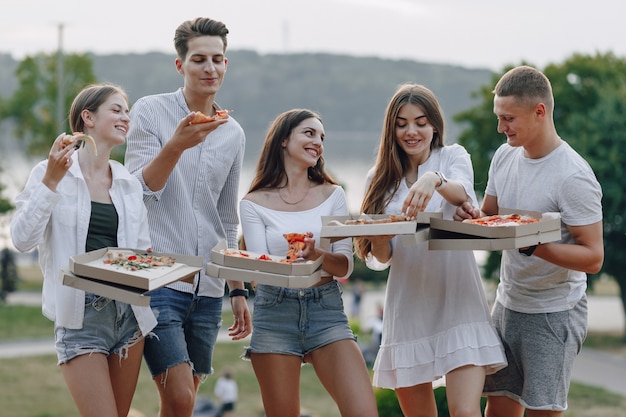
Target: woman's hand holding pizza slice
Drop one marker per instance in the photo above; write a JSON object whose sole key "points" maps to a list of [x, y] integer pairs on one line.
{"points": [[296, 245]]}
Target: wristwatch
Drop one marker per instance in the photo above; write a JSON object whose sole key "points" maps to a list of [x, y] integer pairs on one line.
{"points": [[443, 179], [528, 251], [239, 292]]}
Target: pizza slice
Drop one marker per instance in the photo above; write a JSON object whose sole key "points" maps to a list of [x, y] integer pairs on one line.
{"points": [[78, 139], [203, 118], [502, 220], [295, 244]]}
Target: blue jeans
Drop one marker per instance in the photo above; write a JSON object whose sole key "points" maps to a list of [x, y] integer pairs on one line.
{"points": [[187, 330], [109, 326], [298, 321]]}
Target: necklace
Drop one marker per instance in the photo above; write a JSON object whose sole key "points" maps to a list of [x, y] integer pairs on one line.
{"points": [[294, 203]]}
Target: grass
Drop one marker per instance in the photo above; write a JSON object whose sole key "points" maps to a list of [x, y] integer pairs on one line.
{"points": [[34, 386]]}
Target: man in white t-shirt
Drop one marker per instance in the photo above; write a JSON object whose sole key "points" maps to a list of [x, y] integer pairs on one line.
{"points": [[541, 306]]}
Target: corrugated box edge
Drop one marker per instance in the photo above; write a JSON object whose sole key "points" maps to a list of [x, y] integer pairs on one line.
{"points": [[192, 265], [251, 264], [288, 281], [128, 295]]}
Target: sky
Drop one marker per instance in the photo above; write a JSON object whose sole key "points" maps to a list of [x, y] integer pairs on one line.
{"points": [[470, 33]]}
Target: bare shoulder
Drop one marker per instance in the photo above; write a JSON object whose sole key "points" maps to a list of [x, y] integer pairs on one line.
{"points": [[326, 190], [262, 197]]}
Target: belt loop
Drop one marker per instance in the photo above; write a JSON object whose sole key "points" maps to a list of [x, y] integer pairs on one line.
{"points": [[281, 294], [316, 291]]}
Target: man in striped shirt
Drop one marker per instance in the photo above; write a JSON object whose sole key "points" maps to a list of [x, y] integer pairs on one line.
{"points": [[190, 176]]}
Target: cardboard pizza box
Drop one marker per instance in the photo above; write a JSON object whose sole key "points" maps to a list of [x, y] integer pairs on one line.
{"points": [[251, 263], [118, 292], [333, 227], [451, 235], [91, 265], [260, 277]]}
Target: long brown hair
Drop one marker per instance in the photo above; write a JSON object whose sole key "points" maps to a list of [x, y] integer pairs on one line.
{"points": [[392, 161], [270, 170]]}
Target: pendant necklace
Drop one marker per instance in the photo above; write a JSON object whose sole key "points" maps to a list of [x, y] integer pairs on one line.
{"points": [[294, 203]]}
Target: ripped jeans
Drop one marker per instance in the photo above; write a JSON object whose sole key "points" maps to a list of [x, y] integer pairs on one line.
{"points": [[109, 326]]}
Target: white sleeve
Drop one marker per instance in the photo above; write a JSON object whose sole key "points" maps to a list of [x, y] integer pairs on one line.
{"points": [[343, 246], [252, 227]]}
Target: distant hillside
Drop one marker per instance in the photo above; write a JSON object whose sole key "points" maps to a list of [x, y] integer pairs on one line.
{"points": [[349, 92]]}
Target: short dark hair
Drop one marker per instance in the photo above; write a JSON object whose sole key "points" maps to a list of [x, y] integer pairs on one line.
{"points": [[526, 84], [201, 26]]}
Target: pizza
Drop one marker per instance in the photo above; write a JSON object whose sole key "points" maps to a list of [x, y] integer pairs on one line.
{"points": [[246, 255], [295, 244], [78, 139], [391, 219], [203, 118], [134, 262], [502, 220]]}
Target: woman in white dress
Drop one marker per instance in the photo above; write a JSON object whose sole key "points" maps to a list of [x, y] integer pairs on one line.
{"points": [[436, 319]]}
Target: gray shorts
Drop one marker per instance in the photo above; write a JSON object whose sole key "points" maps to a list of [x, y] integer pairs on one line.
{"points": [[540, 349]]}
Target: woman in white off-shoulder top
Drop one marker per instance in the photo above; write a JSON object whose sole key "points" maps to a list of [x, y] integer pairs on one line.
{"points": [[290, 193]]}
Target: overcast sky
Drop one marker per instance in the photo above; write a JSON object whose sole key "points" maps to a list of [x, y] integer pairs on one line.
{"points": [[470, 33]]}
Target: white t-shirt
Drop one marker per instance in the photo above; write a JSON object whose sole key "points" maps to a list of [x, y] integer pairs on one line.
{"points": [[226, 390], [561, 182]]}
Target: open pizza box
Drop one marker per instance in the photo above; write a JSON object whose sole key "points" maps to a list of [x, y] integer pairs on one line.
{"points": [[334, 227], [260, 277], [248, 261], [91, 265], [123, 293], [453, 235], [246, 267]]}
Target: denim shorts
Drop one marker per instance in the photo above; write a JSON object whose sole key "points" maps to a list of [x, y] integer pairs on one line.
{"points": [[186, 331], [109, 326], [297, 321], [541, 349]]}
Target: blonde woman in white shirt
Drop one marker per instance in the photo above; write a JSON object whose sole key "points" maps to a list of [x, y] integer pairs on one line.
{"points": [[77, 201]]}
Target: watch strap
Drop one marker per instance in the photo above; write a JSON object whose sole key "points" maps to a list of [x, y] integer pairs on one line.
{"points": [[239, 292], [528, 251]]}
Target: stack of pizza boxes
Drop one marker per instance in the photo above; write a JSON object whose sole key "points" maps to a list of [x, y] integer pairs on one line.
{"points": [[454, 235], [91, 272], [242, 265], [414, 231]]}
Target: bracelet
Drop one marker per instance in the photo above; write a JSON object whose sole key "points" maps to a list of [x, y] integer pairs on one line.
{"points": [[237, 292], [442, 179], [528, 251]]}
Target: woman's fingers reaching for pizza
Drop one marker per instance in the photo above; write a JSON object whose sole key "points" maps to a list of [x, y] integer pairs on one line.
{"points": [[465, 211]]}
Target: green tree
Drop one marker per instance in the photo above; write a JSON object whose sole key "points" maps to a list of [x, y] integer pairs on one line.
{"points": [[590, 97], [33, 105], [5, 205]]}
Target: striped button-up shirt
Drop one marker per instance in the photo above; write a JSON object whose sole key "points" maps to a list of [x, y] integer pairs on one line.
{"points": [[198, 205]]}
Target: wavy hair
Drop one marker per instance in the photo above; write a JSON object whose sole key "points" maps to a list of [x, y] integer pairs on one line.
{"points": [[392, 161], [270, 170]]}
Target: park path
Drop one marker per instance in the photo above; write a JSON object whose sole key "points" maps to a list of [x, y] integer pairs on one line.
{"points": [[592, 367]]}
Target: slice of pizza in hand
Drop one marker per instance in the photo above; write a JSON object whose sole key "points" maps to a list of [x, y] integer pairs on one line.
{"points": [[78, 139], [203, 118], [295, 244]]}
